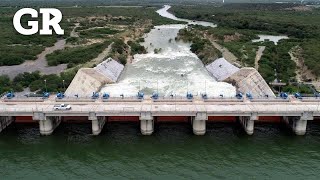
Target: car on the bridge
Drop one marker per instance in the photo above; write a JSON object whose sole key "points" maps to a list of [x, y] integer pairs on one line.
{"points": [[62, 107]]}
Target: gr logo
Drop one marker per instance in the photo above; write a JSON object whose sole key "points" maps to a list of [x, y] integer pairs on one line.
{"points": [[47, 22]]}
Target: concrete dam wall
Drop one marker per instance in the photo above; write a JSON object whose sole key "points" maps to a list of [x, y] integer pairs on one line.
{"points": [[221, 69], [110, 69], [246, 80], [89, 80], [249, 80]]}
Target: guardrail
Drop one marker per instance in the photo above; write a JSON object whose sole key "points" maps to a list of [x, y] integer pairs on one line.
{"points": [[67, 99], [120, 99], [160, 99], [310, 99], [270, 100], [172, 99], [223, 100], [23, 100]]}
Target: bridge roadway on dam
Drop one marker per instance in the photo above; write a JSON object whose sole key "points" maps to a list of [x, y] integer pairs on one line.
{"points": [[295, 112]]}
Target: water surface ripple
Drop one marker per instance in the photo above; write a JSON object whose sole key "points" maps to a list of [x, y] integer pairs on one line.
{"points": [[172, 152]]}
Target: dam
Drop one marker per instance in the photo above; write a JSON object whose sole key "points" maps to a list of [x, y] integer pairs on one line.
{"points": [[169, 81], [294, 112], [110, 144]]}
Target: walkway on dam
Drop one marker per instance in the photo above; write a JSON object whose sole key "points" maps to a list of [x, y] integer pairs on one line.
{"points": [[216, 107], [294, 112]]}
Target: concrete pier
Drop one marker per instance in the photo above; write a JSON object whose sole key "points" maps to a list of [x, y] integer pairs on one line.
{"points": [[5, 121], [48, 125], [97, 124], [199, 123], [299, 124], [146, 123], [247, 123]]}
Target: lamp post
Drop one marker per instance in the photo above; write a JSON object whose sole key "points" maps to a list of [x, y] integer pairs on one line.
{"points": [[64, 88], [45, 85], [158, 87], [280, 86], [139, 85], [187, 87], [205, 87]]}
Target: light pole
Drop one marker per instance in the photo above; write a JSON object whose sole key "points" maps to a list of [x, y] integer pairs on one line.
{"points": [[64, 88], [139, 85], [45, 85], [158, 87], [205, 87], [187, 87], [280, 86]]}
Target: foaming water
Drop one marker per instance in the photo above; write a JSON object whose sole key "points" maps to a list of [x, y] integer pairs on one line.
{"points": [[171, 152], [174, 69]]}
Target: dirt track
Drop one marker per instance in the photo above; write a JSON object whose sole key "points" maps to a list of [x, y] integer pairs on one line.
{"points": [[258, 57], [40, 64], [229, 56]]}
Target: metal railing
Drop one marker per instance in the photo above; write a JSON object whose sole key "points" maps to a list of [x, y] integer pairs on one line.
{"points": [[122, 99], [172, 99], [30, 99], [75, 99], [223, 99]]}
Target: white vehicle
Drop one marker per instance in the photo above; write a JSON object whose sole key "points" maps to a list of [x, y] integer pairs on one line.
{"points": [[62, 107]]}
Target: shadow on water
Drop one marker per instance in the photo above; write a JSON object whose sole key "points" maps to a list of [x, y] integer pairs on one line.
{"points": [[126, 129]]}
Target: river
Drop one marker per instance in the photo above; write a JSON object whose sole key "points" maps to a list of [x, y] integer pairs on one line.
{"points": [[168, 68], [172, 152], [174, 70]]}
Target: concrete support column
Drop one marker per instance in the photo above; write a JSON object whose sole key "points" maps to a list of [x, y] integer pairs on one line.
{"points": [[300, 127], [97, 125], [247, 123], [146, 123], [5, 121], [299, 124], [199, 127], [199, 123], [48, 125]]}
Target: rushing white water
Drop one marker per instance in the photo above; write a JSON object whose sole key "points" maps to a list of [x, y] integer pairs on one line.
{"points": [[272, 38], [173, 70]]}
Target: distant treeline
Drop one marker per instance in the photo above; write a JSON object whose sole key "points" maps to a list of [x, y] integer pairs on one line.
{"points": [[35, 81], [301, 26], [133, 2]]}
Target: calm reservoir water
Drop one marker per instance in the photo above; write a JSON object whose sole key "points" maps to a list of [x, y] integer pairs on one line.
{"points": [[172, 152]]}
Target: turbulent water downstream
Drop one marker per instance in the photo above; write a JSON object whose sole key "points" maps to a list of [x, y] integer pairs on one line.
{"points": [[172, 152], [173, 70]]}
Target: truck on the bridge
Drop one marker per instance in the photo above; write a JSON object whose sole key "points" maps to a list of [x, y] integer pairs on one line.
{"points": [[62, 107]]}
